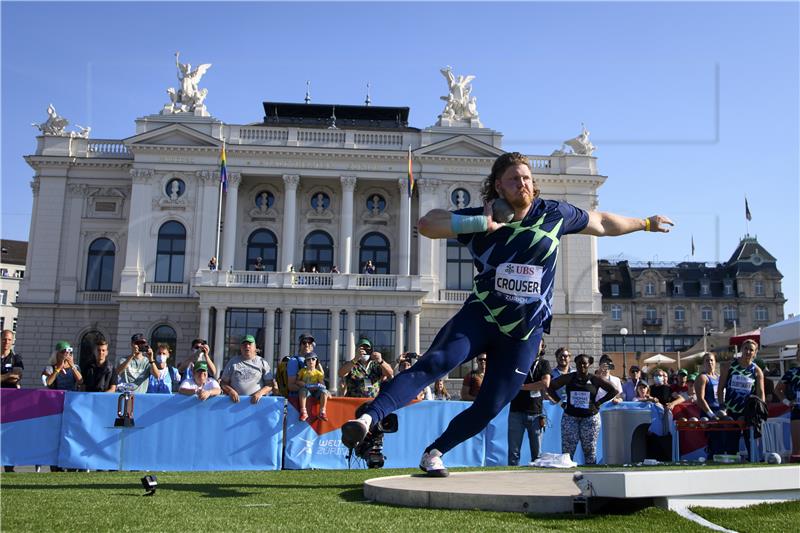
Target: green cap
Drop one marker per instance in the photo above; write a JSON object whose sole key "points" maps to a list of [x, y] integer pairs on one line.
{"points": [[62, 345], [693, 377], [683, 371], [200, 365], [363, 341], [248, 338]]}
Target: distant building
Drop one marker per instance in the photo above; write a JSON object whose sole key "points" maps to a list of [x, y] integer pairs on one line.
{"points": [[12, 271], [122, 232], [667, 307]]}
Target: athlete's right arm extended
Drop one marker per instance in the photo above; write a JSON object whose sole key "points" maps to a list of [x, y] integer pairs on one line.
{"points": [[436, 224], [442, 224]]}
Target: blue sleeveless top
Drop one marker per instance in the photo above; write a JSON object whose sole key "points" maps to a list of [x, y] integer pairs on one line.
{"points": [[711, 392], [741, 384]]}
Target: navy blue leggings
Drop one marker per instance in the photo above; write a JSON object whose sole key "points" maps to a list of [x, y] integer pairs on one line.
{"points": [[466, 335]]}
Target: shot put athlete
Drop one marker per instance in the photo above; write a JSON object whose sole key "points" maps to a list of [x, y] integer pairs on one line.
{"points": [[510, 305]]}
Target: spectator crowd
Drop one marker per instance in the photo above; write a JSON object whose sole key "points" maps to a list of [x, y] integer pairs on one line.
{"points": [[570, 383]]}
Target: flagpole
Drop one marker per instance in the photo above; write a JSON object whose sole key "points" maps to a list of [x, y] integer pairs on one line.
{"points": [[410, 197], [219, 210]]}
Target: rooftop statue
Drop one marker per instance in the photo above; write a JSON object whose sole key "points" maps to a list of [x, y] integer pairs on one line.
{"points": [[54, 125], [460, 105], [580, 145], [189, 97]]}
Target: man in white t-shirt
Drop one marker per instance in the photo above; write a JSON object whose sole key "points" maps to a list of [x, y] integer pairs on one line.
{"points": [[199, 384]]}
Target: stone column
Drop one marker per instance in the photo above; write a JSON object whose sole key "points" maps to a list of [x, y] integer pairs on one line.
{"points": [[72, 244], [231, 219], [219, 338], [346, 229], [290, 182], [333, 359], [269, 338], [399, 336], [405, 228], [351, 335], [208, 199], [414, 332], [205, 315], [427, 188], [140, 210], [286, 332]]}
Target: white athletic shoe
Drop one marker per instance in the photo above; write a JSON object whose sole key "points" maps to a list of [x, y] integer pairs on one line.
{"points": [[431, 463]]}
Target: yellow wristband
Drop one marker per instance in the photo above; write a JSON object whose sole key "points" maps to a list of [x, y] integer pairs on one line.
{"points": [[647, 224]]}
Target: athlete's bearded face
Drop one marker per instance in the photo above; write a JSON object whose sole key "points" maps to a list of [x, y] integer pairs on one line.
{"points": [[516, 186]]}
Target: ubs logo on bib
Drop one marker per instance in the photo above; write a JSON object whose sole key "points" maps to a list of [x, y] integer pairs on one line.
{"points": [[520, 282]]}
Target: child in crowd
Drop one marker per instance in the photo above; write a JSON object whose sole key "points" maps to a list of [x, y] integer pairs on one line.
{"points": [[440, 390], [311, 381]]}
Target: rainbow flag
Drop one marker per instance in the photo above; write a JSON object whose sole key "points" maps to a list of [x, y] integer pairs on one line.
{"points": [[223, 171], [410, 174]]}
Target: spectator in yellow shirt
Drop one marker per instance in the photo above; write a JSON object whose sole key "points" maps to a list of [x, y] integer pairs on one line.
{"points": [[311, 382]]}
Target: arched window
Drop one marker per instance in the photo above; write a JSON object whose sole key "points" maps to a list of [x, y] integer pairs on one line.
{"points": [[100, 265], [375, 247], [88, 341], [649, 288], [318, 251], [650, 313], [170, 253], [165, 334], [761, 314], [707, 314], [262, 243], [459, 266], [730, 314], [680, 314]]}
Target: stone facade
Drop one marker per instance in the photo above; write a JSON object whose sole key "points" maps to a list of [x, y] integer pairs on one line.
{"points": [[12, 272], [668, 307], [104, 257]]}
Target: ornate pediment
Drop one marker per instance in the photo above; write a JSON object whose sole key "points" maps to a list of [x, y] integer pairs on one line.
{"points": [[460, 146], [174, 135]]}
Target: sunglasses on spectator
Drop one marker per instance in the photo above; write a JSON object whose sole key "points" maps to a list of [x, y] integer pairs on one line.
{"points": [[483, 360], [307, 342]]}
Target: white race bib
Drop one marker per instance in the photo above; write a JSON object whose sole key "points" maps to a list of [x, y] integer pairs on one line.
{"points": [[579, 399], [741, 383], [518, 280], [536, 394]]}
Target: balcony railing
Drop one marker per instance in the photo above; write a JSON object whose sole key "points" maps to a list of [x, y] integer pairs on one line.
{"points": [[453, 296], [166, 289], [96, 297], [652, 322], [306, 280]]}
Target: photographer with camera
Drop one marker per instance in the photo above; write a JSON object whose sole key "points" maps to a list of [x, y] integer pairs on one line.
{"points": [[135, 368], [606, 366], [200, 352], [364, 373], [62, 373], [525, 410]]}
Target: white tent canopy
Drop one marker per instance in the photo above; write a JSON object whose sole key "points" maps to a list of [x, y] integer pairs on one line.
{"points": [[658, 358], [782, 333]]}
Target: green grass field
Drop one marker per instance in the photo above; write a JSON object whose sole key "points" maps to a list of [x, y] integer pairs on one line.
{"points": [[305, 500]]}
